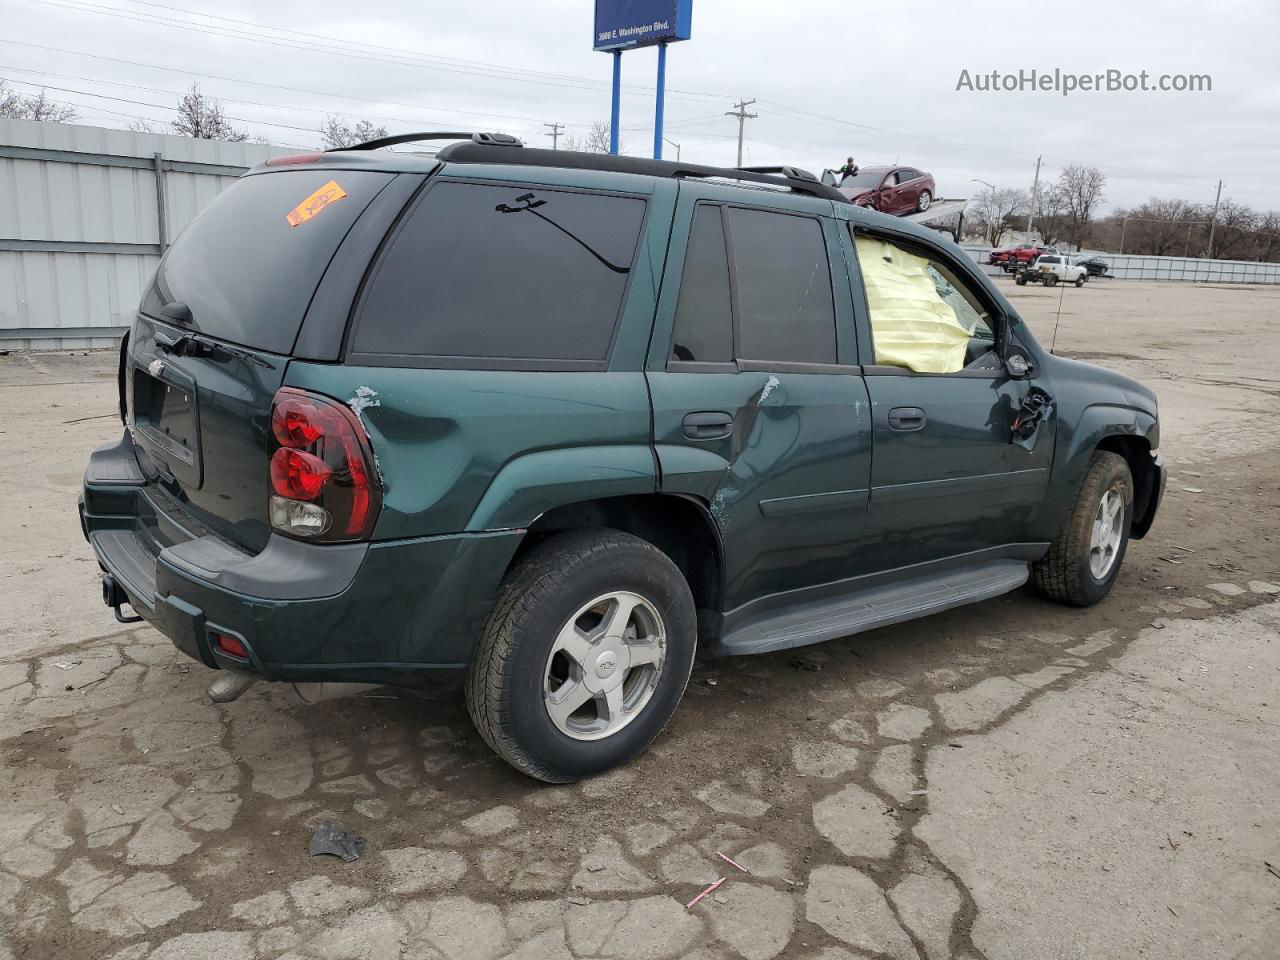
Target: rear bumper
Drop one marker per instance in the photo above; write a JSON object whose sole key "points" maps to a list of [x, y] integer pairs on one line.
{"points": [[372, 612]]}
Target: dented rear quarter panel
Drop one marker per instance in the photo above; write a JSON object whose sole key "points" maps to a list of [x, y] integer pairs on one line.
{"points": [[472, 450]]}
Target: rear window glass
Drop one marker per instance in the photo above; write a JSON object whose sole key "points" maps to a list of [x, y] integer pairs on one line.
{"points": [[785, 308], [502, 272], [242, 267], [704, 318]]}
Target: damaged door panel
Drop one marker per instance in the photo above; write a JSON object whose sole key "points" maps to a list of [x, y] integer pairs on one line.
{"points": [[754, 411]]}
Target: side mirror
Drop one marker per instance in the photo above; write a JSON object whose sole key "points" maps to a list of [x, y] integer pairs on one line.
{"points": [[1018, 365]]}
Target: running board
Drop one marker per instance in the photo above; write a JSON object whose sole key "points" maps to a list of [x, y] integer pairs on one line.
{"points": [[871, 607]]}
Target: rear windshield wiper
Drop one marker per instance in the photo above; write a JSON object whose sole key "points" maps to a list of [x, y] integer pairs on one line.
{"points": [[190, 345]]}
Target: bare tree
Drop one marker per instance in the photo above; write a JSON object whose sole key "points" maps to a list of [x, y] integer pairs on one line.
{"points": [[1081, 189], [201, 118], [34, 107], [1164, 228], [992, 209], [596, 140], [338, 134], [140, 125], [1233, 238], [1052, 217]]}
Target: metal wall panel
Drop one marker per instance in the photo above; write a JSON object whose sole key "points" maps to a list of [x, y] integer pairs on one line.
{"points": [[72, 184], [1174, 269]]}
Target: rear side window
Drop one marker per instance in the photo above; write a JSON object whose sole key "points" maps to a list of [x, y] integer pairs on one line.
{"points": [[245, 270], [507, 272], [785, 308], [704, 321]]}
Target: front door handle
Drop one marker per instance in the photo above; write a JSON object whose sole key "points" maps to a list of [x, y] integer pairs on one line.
{"points": [[907, 418], [707, 425]]}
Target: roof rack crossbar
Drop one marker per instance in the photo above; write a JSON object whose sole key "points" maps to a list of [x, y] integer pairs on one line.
{"points": [[486, 139], [799, 185], [790, 172]]}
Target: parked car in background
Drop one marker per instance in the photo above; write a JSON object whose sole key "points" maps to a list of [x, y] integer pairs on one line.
{"points": [[895, 190], [351, 452], [1010, 257], [1096, 266], [1052, 269]]}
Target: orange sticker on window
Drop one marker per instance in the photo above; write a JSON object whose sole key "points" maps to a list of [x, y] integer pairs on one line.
{"points": [[308, 208]]}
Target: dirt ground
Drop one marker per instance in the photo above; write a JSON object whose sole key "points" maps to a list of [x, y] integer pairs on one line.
{"points": [[1013, 780]]}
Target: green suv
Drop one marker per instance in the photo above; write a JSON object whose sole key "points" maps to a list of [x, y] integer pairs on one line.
{"points": [[557, 419]]}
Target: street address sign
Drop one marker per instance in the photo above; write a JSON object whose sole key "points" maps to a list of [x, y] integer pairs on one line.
{"points": [[627, 24]]}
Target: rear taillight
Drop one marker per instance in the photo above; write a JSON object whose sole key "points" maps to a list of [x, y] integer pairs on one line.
{"points": [[324, 485]]}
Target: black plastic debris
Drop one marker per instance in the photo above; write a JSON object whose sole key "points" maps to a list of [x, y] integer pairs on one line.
{"points": [[1036, 408], [333, 839]]}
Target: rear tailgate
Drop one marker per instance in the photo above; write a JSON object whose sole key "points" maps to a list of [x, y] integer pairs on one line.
{"points": [[213, 337]]}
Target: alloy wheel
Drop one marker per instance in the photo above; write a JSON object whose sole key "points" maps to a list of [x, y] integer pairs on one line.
{"points": [[604, 666]]}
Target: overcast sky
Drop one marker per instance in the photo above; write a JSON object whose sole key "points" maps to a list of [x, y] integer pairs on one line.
{"points": [[831, 78]]}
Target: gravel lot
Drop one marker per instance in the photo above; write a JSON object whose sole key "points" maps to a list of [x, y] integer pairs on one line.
{"points": [[1011, 780]]}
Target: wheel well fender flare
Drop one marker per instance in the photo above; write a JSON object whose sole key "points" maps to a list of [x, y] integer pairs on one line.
{"points": [[533, 484]]}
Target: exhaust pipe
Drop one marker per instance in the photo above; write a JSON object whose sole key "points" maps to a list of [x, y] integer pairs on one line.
{"points": [[325, 690], [230, 686]]}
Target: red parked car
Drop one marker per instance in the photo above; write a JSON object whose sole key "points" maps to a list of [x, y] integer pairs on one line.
{"points": [[896, 190], [1009, 257]]}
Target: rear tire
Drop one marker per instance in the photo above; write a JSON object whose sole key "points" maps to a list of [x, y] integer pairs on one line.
{"points": [[1084, 561], [522, 663]]}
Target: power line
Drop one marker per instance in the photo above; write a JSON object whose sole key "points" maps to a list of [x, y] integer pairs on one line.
{"points": [[252, 83], [158, 106], [490, 71], [225, 99]]}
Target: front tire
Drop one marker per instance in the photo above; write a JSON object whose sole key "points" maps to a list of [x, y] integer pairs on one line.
{"points": [[1084, 561], [584, 657], [1079, 281], [923, 201]]}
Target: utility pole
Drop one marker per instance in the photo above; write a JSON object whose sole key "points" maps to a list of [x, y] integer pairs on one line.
{"points": [[1035, 196], [557, 131], [1213, 221], [740, 111], [676, 145]]}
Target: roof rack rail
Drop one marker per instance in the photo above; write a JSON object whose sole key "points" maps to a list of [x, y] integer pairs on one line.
{"points": [[485, 139], [791, 173], [797, 180]]}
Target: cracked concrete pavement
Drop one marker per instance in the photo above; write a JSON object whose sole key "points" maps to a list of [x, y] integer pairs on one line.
{"points": [[1010, 780]]}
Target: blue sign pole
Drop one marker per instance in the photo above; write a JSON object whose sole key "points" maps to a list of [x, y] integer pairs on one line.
{"points": [[630, 24], [657, 113], [617, 102]]}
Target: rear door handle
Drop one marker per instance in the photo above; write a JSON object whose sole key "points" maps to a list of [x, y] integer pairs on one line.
{"points": [[707, 425], [907, 418]]}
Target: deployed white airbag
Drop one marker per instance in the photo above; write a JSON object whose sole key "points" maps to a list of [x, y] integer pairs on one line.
{"points": [[912, 324]]}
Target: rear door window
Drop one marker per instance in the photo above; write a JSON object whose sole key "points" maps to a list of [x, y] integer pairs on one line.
{"points": [[247, 266], [510, 273], [704, 320], [786, 312]]}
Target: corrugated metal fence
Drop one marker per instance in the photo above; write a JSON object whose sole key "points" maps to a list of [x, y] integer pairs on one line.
{"points": [[85, 213], [1191, 269]]}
